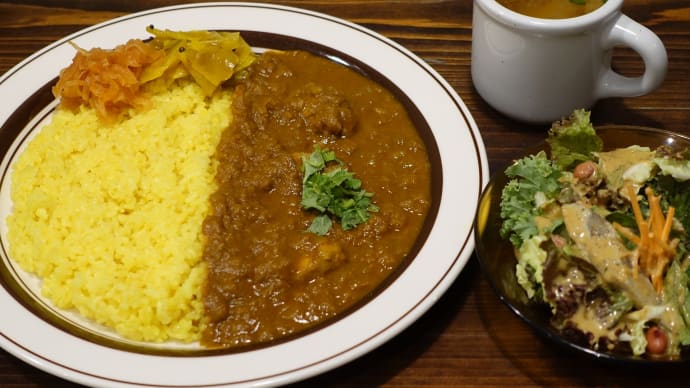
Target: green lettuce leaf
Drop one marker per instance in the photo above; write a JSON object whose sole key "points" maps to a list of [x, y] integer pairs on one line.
{"points": [[677, 295], [530, 267], [534, 178], [573, 140]]}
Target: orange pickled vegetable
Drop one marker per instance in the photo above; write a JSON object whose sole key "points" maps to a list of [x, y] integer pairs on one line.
{"points": [[107, 80], [111, 81]]}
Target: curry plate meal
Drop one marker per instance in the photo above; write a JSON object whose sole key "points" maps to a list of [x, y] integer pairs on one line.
{"points": [[601, 239], [187, 189]]}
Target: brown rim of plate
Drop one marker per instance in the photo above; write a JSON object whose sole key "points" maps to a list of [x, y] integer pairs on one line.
{"points": [[37, 103]]}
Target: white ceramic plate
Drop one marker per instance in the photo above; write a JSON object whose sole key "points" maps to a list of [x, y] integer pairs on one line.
{"points": [[460, 174]]}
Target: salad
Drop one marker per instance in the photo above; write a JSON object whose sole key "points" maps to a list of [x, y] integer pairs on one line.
{"points": [[601, 238]]}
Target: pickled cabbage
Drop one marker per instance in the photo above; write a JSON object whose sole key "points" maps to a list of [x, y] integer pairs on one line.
{"points": [[209, 57]]}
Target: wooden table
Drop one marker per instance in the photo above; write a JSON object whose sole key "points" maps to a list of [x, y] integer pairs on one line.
{"points": [[468, 338]]}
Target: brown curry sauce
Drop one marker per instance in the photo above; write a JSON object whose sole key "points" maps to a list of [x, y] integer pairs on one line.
{"points": [[267, 277]]}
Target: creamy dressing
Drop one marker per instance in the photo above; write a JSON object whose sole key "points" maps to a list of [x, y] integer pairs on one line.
{"points": [[550, 214], [570, 280], [614, 164], [585, 320], [602, 248]]}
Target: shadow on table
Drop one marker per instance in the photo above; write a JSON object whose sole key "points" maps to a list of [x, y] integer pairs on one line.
{"points": [[387, 361], [28, 376], [615, 111]]}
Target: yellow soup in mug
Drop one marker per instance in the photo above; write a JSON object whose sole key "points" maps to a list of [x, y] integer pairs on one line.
{"points": [[552, 9]]}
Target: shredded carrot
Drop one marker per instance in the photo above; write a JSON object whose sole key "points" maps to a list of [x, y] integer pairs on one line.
{"points": [[106, 80], [654, 250], [669, 222]]}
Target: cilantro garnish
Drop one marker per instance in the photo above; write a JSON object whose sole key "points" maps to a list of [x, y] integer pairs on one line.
{"points": [[333, 193]]}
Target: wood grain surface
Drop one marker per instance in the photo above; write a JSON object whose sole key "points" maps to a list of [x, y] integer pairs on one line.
{"points": [[468, 338]]}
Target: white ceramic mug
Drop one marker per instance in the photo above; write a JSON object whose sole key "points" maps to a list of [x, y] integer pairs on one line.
{"points": [[539, 70]]}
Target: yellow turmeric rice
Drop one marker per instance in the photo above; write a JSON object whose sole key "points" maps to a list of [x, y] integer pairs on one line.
{"points": [[109, 217]]}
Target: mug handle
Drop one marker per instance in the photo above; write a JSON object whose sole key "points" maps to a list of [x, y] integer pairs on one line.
{"points": [[629, 33]]}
